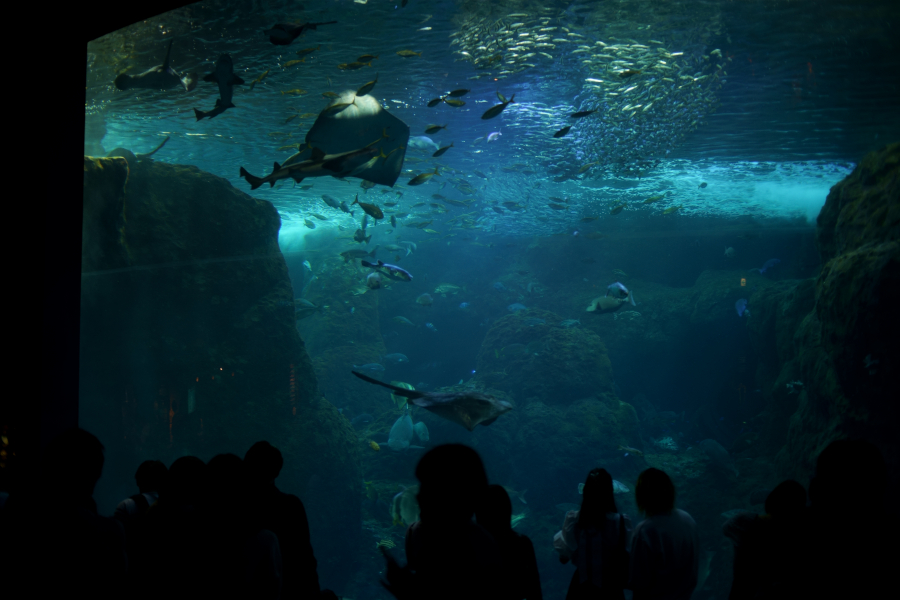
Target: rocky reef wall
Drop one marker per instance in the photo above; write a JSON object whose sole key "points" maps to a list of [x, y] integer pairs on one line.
{"points": [[833, 340], [189, 344]]}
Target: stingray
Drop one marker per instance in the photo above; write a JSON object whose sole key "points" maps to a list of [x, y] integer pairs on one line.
{"points": [[361, 121], [468, 408], [130, 157]]}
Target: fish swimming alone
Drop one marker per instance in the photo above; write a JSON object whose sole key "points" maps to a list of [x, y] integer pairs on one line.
{"points": [[617, 290], [345, 164], [389, 271], [226, 79], [423, 142], [497, 109], [469, 408], [770, 264], [283, 34], [160, 77]]}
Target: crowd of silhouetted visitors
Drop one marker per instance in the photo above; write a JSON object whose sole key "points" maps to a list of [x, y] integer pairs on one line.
{"points": [[223, 529]]}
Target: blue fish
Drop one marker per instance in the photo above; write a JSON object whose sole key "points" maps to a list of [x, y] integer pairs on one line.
{"points": [[771, 263], [371, 367], [532, 321], [396, 358], [741, 307], [516, 306], [431, 327], [464, 305], [499, 287]]}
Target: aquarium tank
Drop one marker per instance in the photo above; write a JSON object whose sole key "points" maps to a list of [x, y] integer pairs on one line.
{"points": [[568, 234]]}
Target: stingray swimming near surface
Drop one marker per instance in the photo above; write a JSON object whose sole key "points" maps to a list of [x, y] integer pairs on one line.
{"points": [[468, 408]]}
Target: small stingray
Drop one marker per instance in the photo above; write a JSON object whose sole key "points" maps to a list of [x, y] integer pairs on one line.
{"points": [[468, 409]]}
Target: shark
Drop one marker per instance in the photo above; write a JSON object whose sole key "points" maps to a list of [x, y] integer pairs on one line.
{"points": [[345, 164], [226, 79], [282, 34], [160, 77], [469, 408]]}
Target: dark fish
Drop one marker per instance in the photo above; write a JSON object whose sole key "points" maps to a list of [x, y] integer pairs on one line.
{"points": [[160, 77], [562, 132], [319, 165], [305, 51], [423, 177], [226, 79], [218, 110], [370, 209], [435, 102], [353, 66], [703, 185], [582, 113], [367, 87], [345, 208], [454, 103], [617, 208], [458, 93], [283, 34], [468, 408], [355, 253], [367, 58], [330, 201], [434, 128], [393, 221], [391, 271], [629, 72], [360, 236], [496, 110], [441, 151]]}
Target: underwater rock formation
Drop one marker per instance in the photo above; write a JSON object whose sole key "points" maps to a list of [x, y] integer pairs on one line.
{"points": [[523, 355], [188, 342], [835, 341]]}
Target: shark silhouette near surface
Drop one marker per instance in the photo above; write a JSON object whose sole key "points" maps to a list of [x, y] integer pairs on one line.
{"points": [[468, 409], [160, 77]]}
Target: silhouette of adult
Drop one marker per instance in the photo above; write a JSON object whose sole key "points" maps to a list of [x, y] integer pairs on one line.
{"points": [[596, 539], [243, 560], [665, 546], [150, 477], [167, 554], [765, 547], [852, 540], [519, 564], [449, 555], [285, 516], [79, 549]]}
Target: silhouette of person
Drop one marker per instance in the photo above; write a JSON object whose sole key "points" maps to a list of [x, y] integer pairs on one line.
{"points": [[243, 560], [170, 537], [519, 565], [596, 539], [665, 546], [765, 564], [81, 550], [285, 516], [449, 555], [850, 554], [150, 477]]}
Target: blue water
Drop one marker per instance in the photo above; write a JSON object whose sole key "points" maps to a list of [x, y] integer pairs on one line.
{"points": [[768, 107]]}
